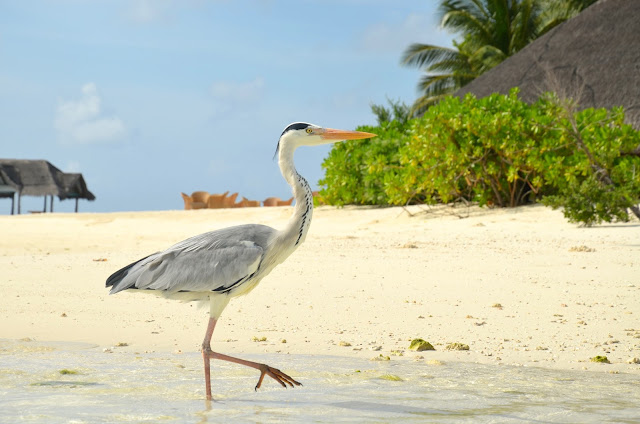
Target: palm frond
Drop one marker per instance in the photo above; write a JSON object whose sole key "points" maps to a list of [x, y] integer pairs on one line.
{"points": [[475, 8], [423, 103], [419, 55], [467, 23], [491, 30], [457, 64], [487, 57]]}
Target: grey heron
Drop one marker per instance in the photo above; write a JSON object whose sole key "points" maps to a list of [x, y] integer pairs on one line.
{"points": [[221, 264]]}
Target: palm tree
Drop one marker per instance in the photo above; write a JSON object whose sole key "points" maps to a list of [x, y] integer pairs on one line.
{"points": [[492, 30], [558, 11], [447, 70]]}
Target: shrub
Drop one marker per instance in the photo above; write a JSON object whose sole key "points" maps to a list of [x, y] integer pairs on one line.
{"points": [[496, 151], [484, 150], [355, 170], [597, 181]]}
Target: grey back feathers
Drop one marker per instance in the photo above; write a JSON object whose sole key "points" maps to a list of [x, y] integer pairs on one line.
{"points": [[216, 261]]}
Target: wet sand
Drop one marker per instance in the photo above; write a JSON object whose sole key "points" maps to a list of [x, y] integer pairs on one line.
{"points": [[519, 287], [64, 382]]}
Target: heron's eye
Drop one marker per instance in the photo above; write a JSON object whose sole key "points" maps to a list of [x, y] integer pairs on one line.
{"points": [[309, 130]]}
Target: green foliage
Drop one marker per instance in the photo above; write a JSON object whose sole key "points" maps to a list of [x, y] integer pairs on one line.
{"points": [[596, 182], [396, 111], [487, 150], [495, 151], [447, 69], [488, 32], [355, 170]]}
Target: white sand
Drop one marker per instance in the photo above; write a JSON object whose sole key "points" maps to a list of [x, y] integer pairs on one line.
{"points": [[367, 277]]}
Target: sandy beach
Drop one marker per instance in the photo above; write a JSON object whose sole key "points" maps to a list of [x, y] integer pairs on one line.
{"points": [[518, 286]]}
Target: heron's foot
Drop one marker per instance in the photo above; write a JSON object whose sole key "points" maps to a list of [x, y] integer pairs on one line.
{"points": [[277, 375], [264, 369]]}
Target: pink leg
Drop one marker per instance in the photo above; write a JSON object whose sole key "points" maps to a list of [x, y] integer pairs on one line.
{"points": [[208, 354]]}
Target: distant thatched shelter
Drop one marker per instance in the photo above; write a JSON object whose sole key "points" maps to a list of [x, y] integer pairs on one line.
{"points": [[7, 190], [40, 178], [593, 58]]}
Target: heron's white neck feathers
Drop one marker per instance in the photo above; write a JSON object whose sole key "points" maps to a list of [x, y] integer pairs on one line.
{"points": [[296, 230]]}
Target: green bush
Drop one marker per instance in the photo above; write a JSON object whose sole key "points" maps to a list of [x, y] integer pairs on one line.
{"points": [[488, 150], [597, 181], [496, 151], [355, 170]]}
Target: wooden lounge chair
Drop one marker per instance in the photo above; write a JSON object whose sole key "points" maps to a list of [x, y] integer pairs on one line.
{"points": [[187, 202], [246, 203], [271, 201], [199, 199], [285, 202], [252, 203], [216, 201], [230, 201], [241, 204]]}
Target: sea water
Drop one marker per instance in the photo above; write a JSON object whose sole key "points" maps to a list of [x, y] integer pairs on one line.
{"points": [[68, 383]]}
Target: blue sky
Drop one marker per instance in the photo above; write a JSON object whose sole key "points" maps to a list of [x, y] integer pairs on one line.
{"points": [[151, 98]]}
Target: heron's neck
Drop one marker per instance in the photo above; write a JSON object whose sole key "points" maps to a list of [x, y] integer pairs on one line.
{"points": [[296, 230]]}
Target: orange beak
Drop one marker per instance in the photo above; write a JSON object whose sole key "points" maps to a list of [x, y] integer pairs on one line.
{"points": [[331, 134]]}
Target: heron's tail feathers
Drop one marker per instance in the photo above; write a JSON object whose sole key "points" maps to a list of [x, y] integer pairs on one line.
{"points": [[126, 277]]}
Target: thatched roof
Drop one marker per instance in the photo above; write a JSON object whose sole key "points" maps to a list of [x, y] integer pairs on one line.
{"points": [[41, 178], [74, 186], [594, 58], [6, 188]]}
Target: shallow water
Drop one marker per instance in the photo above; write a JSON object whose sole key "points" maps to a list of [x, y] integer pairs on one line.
{"points": [[165, 387]]}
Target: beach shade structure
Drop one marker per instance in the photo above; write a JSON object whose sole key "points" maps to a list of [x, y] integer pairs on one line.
{"points": [[75, 188], [199, 199], [592, 58], [285, 202], [271, 201], [214, 267], [216, 201], [41, 178], [7, 191]]}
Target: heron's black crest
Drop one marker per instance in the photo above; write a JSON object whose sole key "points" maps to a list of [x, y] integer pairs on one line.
{"points": [[291, 127]]}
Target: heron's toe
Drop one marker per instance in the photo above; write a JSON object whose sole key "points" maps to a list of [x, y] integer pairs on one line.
{"points": [[277, 375]]}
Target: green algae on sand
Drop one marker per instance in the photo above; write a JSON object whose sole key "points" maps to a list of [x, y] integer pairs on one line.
{"points": [[457, 346], [419, 345]]}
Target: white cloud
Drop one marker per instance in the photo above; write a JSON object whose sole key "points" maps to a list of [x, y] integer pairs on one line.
{"points": [[145, 11], [395, 37], [218, 167], [82, 120], [233, 95], [244, 91], [72, 166], [153, 11]]}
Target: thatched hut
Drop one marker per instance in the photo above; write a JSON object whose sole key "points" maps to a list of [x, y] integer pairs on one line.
{"points": [[7, 190], [592, 58], [40, 178]]}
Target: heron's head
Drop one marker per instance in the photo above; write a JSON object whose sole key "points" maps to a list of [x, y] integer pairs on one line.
{"points": [[305, 134]]}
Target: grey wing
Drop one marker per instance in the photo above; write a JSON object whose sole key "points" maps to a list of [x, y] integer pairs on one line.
{"points": [[214, 261]]}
